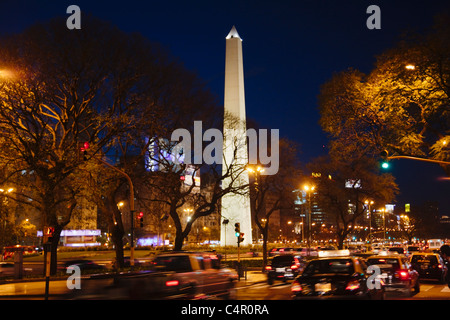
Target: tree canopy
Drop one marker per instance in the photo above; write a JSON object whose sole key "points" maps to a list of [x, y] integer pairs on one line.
{"points": [[402, 105]]}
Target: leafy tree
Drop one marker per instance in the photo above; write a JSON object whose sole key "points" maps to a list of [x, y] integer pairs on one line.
{"points": [[401, 106]]}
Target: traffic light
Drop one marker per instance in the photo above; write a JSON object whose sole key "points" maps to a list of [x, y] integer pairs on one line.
{"points": [[48, 234], [384, 159], [84, 150], [237, 229], [141, 219]]}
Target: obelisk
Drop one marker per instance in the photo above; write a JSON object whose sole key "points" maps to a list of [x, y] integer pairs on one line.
{"points": [[235, 207]]}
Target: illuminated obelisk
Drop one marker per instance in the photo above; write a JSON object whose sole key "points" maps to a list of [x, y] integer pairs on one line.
{"points": [[235, 208]]}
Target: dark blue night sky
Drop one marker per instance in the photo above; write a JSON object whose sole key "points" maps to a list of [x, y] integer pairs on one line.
{"points": [[290, 49]]}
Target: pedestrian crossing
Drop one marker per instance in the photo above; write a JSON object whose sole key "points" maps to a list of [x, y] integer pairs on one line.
{"points": [[430, 287], [423, 287], [266, 286]]}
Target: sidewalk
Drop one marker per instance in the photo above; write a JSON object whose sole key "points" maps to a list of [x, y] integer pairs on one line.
{"points": [[253, 277]]}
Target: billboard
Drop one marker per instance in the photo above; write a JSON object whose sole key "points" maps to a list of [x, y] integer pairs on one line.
{"points": [[353, 183]]}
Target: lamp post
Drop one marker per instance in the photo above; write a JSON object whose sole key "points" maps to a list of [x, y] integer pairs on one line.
{"points": [[369, 203], [308, 189], [384, 225]]}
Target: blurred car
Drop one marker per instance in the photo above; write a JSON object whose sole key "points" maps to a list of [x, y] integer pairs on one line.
{"points": [[304, 252], [126, 261], [395, 250], [193, 274], [177, 275], [397, 272], [429, 265], [279, 251], [83, 265], [411, 249], [6, 269], [283, 267], [335, 276]]}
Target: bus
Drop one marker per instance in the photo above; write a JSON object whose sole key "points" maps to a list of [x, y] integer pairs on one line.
{"points": [[435, 244]]}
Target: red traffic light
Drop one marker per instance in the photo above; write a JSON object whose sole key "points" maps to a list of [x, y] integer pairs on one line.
{"points": [[85, 146]]}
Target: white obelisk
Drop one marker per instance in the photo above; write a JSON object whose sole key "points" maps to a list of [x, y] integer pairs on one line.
{"points": [[235, 208]]}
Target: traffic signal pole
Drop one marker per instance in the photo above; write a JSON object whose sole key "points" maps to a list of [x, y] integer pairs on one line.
{"points": [[419, 159], [85, 149], [131, 206]]}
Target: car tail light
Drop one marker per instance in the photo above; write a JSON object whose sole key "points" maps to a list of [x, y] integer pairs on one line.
{"points": [[296, 287], [172, 283], [352, 285], [294, 267], [268, 268], [403, 274], [439, 266]]}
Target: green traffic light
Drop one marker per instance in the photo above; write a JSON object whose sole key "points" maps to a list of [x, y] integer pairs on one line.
{"points": [[237, 234], [385, 165]]}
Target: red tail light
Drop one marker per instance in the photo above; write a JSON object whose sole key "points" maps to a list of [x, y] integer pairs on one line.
{"points": [[439, 266], [403, 274], [268, 268], [296, 287], [294, 267], [172, 283]]}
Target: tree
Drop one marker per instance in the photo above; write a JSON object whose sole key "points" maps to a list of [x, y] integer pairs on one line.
{"points": [[170, 188], [67, 88], [271, 193], [344, 186], [402, 106]]}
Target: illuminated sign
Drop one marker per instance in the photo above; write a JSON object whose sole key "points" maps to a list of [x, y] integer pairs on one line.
{"points": [[353, 183], [76, 233]]}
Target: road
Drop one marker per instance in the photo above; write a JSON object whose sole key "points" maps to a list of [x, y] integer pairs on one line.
{"points": [[255, 288], [429, 290]]}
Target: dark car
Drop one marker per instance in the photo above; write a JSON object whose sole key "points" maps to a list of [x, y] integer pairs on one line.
{"points": [[343, 277], [283, 267], [429, 265], [397, 273], [398, 250]]}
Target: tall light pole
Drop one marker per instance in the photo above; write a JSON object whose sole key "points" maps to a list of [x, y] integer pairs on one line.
{"points": [[369, 203], [384, 225], [309, 189]]}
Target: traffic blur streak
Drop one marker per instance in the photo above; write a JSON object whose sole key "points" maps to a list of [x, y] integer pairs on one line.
{"points": [[184, 275]]}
